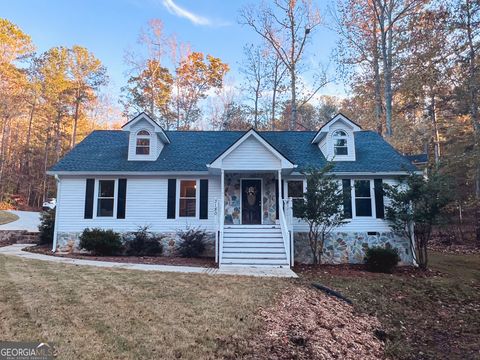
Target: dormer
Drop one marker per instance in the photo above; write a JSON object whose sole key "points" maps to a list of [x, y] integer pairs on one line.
{"points": [[146, 138], [336, 139]]}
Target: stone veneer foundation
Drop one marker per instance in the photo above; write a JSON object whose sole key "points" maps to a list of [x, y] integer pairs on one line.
{"points": [[339, 248], [69, 242], [343, 248]]}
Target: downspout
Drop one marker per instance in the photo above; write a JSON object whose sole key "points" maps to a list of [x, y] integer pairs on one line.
{"points": [[55, 225]]}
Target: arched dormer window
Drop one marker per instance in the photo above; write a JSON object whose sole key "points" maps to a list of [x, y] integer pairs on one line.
{"points": [[143, 143], [340, 139]]}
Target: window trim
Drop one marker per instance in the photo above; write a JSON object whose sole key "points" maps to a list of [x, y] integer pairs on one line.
{"points": [[372, 199], [304, 181], [341, 137], [197, 200], [141, 137], [96, 198]]}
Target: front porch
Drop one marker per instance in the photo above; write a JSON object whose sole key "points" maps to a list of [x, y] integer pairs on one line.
{"points": [[254, 223], [252, 227]]}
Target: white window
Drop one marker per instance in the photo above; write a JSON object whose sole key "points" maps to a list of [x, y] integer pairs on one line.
{"points": [[340, 139], [106, 198], [188, 198], [143, 143], [295, 191], [363, 198]]}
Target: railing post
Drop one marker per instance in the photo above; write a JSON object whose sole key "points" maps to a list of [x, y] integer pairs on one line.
{"points": [[217, 228], [281, 216], [222, 215]]}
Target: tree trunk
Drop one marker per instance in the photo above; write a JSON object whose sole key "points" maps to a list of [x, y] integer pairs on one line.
{"points": [[387, 74], [436, 135], [293, 121], [45, 164], [255, 115], [29, 135], [377, 81], [2, 154], [274, 92], [473, 95], [75, 123], [57, 136]]}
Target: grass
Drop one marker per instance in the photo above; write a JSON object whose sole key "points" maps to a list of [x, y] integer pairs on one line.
{"points": [[6, 217], [120, 314], [94, 313], [433, 317]]}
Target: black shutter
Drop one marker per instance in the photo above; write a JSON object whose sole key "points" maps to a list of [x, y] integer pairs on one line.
{"points": [[278, 199], [172, 189], [379, 206], [89, 191], [277, 196], [204, 199], [347, 198], [122, 198]]}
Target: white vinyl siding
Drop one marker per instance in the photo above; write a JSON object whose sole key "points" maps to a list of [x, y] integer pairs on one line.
{"points": [[251, 155], [146, 205], [357, 224]]}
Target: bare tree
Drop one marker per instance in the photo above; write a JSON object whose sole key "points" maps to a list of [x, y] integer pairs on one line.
{"points": [[276, 77], [390, 14], [255, 71], [357, 26], [286, 26]]}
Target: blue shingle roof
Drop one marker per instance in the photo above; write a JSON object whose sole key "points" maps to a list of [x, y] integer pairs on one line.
{"points": [[106, 150]]}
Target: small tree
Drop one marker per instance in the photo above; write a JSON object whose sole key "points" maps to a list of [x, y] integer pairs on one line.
{"points": [[415, 207], [47, 224], [322, 208]]}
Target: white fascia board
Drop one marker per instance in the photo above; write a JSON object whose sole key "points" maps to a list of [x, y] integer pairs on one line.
{"points": [[127, 173], [366, 173]]}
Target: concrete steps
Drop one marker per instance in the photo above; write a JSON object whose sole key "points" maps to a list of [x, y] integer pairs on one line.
{"points": [[253, 245]]}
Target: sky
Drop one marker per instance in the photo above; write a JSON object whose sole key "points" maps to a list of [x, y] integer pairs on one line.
{"points": [[108, 28]]}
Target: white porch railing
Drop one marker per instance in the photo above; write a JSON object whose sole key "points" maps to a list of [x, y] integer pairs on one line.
{"points": [[288, 211], [286, 233], [219, 223]]}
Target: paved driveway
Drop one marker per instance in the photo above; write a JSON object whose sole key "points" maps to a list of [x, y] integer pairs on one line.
{"points": [[27, 220]]}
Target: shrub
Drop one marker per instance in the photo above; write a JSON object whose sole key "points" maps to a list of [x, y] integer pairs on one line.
{"points": [[193, 243], [143, 243], [380, 259], [47, 223], [101, 242]]}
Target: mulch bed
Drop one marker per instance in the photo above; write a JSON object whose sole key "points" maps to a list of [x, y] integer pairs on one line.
{"points": [[152, 260], [352, 270], [6, 242], [307, 324]]}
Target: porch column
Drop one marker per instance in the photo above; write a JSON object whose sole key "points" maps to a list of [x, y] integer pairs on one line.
{"points": [[222, 214], [280, 200]]}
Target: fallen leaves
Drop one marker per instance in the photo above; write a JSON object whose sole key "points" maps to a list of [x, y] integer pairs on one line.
{"points": [[308, 324]]}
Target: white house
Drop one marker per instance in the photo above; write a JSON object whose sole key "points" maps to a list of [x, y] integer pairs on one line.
{"points": [[239, 186]]}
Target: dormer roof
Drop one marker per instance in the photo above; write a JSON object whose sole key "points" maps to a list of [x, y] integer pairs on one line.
{"points": [[144, 117], [324, 130]]}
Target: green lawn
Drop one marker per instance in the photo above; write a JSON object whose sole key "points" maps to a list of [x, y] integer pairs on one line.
{"points": [[95, 313], [436, 317], [6, 217]]}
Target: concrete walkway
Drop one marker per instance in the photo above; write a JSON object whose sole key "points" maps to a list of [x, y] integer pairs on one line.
{"points": [[16, 250], [27, 220]]}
